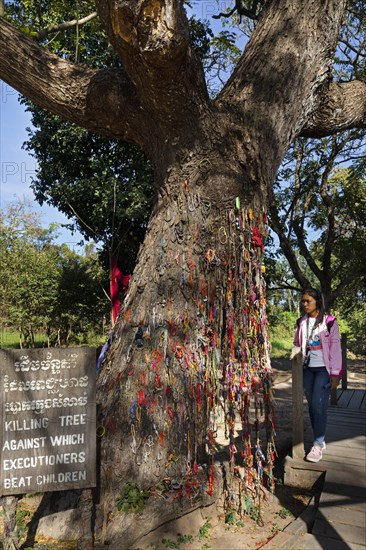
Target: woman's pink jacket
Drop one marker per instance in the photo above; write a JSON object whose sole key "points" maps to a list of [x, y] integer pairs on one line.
{"points": [[331, 343]]}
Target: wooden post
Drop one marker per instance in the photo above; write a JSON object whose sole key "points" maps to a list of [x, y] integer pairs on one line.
{"points": [[344, 360], [297, 408]]}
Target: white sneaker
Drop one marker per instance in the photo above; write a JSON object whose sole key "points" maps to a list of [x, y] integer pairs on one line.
{"points": [[315, 454]]}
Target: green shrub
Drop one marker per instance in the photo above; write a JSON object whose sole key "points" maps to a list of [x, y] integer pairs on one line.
{"points": [[132, 499]]}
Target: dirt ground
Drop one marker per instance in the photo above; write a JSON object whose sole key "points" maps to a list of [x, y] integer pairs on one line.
{"points": [[205, 528]]}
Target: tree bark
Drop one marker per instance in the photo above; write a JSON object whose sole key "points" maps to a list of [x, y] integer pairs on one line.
{"points": [[342, 106], [191, 339]]}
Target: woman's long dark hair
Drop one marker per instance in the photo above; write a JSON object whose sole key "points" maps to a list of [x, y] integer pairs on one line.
{"points": [[318, 297]]}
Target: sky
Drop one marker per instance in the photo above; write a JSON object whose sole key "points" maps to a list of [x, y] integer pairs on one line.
{"points": [[18, 167]]}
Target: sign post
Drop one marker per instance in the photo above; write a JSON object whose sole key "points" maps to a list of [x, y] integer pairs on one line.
{"points": [[48, 420]]}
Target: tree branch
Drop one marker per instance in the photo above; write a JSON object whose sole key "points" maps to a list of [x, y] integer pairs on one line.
{"points": [[242, 10], [146, 29], [329, 207], [286, 246], [275, 71], [346, 282], [352, 48], [152, 40], [73, 91], [304, 250], [341, 107], [79, 218], [40, 35]]}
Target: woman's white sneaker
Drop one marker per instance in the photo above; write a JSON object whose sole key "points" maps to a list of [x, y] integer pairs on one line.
{"points": [[315, 454]]}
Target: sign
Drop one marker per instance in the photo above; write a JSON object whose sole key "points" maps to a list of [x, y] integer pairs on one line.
{"points": [[48, 420]]}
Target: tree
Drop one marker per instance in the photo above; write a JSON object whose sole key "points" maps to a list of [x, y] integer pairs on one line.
{"points": [[29, 272], [317, 212], [192, 331], [46, 287], [82, 307], [316, 208], [104, 186]]}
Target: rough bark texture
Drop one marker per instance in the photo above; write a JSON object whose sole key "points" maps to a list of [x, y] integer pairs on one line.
{"points": [[191, 339], [343, 106], [194, 311]]}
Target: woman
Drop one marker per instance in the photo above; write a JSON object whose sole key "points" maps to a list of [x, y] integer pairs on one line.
{"points": [[317, 334]]}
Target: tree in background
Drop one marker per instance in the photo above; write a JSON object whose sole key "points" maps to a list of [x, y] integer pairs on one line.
{"points": [[192, 334], [318, 212], [81, 313], [318, 206], [46, 287], [102, 185]]}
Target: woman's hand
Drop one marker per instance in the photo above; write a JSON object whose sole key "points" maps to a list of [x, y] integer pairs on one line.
{"points": [[334, 381]]}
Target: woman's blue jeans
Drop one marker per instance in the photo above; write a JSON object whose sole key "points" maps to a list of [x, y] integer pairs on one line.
{"points": [[317, 392]]}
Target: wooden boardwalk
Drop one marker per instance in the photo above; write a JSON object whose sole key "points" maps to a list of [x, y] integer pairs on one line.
{"points": [[340, 517], [351, 399]]}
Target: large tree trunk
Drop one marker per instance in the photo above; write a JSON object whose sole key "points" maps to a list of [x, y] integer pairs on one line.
{"points": [[190, 341]]}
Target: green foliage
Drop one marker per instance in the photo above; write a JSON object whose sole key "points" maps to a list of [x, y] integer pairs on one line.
{"points": [[356, 328], [22, 519], [46, 287], [282, 322], [255, 514], [29, 271], [169, 543], [81, 305], [104, 185], [223, 55], [204, 531], [79, 43], [284, 513], [276, 528], [231, 518], [185, 539], [200, 34], [281, 348], [181, 539], [10, 339], [132, 499]]}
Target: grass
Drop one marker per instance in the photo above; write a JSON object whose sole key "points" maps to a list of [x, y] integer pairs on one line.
{"points": [[9, 339], [280, 347]]}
